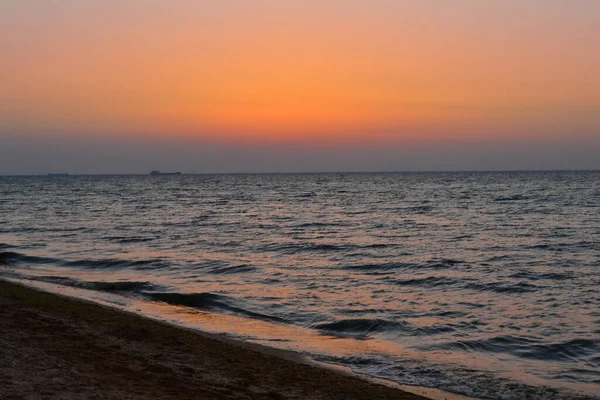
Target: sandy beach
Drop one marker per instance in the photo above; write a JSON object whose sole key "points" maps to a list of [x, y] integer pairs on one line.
{"points": [[53, 347]]}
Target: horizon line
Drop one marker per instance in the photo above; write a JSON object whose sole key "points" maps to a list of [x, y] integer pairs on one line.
{"points": [[69, 174]]}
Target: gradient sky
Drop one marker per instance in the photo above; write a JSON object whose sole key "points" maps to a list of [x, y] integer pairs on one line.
{"points": [[112, 86]]}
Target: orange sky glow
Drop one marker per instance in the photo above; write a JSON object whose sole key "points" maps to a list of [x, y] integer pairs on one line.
{"points": [[302, 71]]}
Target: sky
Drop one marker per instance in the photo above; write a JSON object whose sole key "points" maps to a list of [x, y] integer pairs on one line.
{"points": [[112, 86]]}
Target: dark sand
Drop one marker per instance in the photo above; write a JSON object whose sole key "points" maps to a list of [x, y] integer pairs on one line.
{"points": [[53, 347]]}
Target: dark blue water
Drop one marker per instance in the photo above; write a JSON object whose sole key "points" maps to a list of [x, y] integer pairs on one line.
{"points": [[485, 284]]}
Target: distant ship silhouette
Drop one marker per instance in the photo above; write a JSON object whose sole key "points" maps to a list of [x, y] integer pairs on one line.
{"points": [[164, 173]]}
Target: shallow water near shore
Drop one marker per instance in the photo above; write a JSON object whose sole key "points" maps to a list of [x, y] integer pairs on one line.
{"points": [[484, 284]]}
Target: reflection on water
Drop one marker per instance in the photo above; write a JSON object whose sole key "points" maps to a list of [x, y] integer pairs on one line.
{"points": [[478, 283]]}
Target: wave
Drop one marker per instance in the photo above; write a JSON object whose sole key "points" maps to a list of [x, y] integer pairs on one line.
{"points": [[103, 286], [380, 267], [569, 350], [434, 330], [377, 246], [151, 291], [306, 195], [38, 229], [501, 287], [360, 327], [315, 225], [516, 197], [471, 305], [565, 246], [115, 263], [431, 281], [539, 276], [363, 327], [293, 248], [210, 302], [6, 246], [467, 381], [500, 258], [12, 258], [234, 269], [527, 347], [444, 263], [432, 264], [326, 247], [129, 239], [416, 209]]}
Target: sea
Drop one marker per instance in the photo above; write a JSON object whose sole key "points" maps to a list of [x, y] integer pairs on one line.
{"points": [[485, 284]]}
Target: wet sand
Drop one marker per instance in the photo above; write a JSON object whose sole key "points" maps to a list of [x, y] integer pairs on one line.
{"points": [[53, 347]]}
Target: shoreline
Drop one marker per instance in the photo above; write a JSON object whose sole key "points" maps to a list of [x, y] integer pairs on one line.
{"points": [[62, 347]]}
